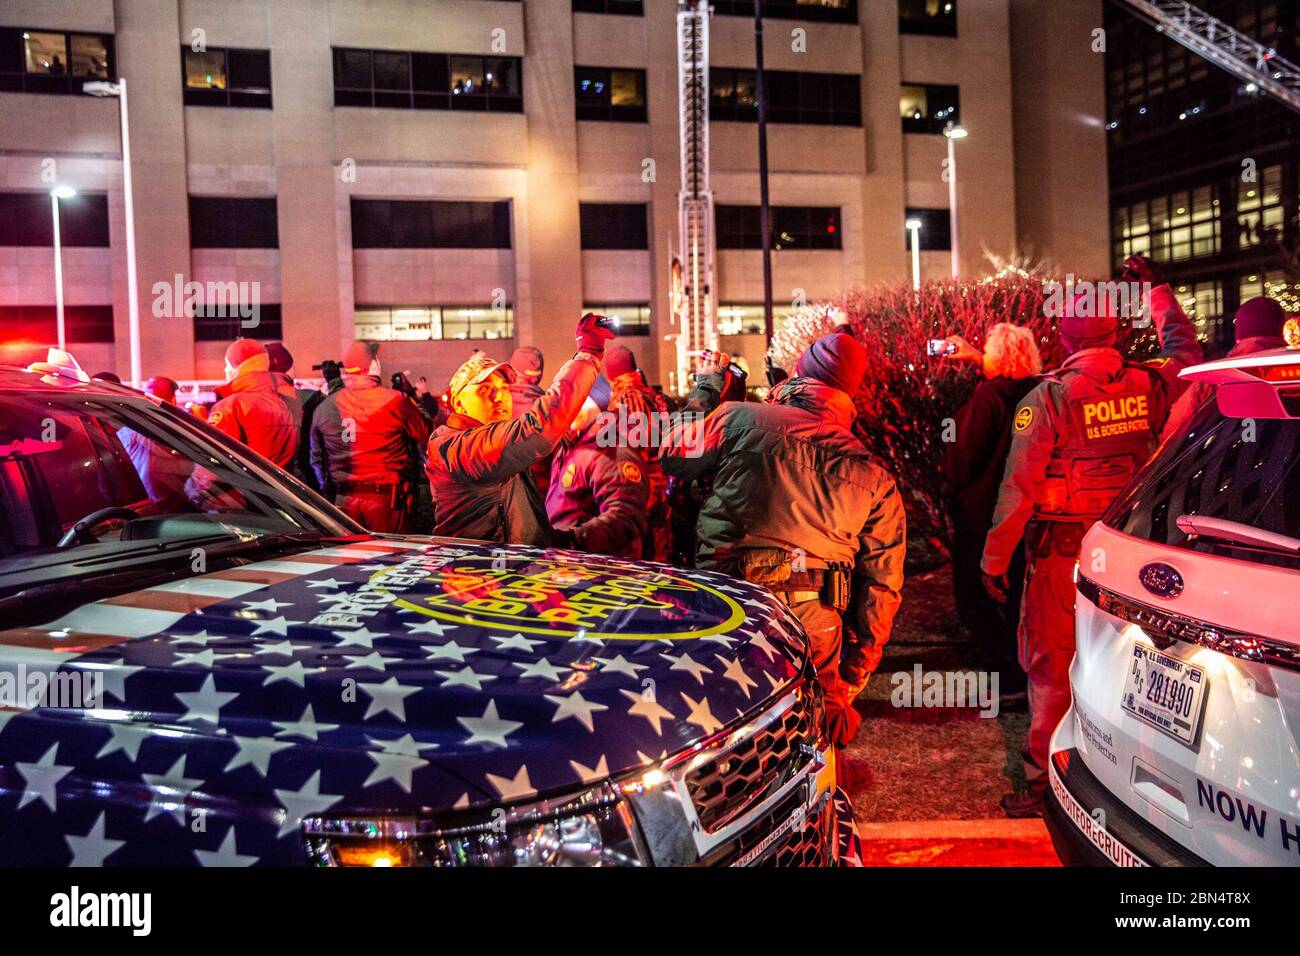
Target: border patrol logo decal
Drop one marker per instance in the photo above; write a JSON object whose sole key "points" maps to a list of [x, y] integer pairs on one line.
{"points": [[570, 599], [1024, 418], [631, 472]]}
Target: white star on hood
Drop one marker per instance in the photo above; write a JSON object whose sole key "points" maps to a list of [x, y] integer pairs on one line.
{"points": [[489, 728], [225, 855], [41, 779], [93, 848], [298, 803], [575, 706], [388, 697]]}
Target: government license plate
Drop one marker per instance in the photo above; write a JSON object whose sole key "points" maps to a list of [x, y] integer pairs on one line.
{"points": [[1165, 692]]}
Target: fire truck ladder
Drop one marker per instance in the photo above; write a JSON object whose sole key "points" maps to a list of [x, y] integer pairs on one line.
{"points": [[695, 202], [1244, 57]]}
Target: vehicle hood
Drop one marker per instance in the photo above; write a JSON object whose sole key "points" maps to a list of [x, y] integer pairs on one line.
{"points": [[405, 673]]}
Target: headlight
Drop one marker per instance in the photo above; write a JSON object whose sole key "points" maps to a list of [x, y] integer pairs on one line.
{"points": [[595, 828]]}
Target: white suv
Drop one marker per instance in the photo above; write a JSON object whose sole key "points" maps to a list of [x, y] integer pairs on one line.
{"points": [[1181, 746]]}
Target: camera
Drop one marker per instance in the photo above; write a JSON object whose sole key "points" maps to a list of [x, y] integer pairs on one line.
{"points": [[941, 347]]}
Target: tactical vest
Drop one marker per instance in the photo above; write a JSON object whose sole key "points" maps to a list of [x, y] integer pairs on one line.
{"points": [[1107, 431]]}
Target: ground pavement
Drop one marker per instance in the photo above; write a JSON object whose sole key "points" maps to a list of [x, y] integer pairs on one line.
{"points": [[925, 782]]}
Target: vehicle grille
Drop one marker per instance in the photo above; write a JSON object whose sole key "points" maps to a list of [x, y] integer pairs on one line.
{"points": [[727, 785], [807, 844]]}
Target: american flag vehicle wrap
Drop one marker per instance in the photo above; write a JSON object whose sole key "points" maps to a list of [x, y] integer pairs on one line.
{"points": [[383, 675]]}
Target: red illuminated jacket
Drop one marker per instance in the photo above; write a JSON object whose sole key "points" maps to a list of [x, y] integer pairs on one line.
{"points": [[252, 410], [365, 433], [478, 473], [1065, 463]]}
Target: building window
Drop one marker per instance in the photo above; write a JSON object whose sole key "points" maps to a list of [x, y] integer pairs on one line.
{"points": [[399, 323], [228, 222], [225, 322], [928, 108], [747, 318], [53, 61], [936, 229], [1173, 228], [631, 318], [220, 77], [613, 225], [428, 81], [603, 94], [426, 224], [629, 8], [838, 11], [793, 227], [27, 219], [1203, 303], [1260, 214], [39, 323], [936, 18], [828, 99]]}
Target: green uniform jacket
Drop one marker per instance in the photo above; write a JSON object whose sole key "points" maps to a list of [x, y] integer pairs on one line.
{"points": [[789, 473]]}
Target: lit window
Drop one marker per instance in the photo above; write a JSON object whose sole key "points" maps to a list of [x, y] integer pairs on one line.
{"points": [[928, 17], [928, 108], [52, 61], [604, 94], [217, 77], [382, 323], [630, 319]]}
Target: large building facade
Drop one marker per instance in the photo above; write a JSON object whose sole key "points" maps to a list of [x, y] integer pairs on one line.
{"points": [[1204, 170], [443, 175]]}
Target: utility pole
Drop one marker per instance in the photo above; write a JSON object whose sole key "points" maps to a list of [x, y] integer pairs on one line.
{"points": [[764, 208]]}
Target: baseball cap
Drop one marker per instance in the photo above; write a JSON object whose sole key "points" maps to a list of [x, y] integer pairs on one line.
{"points": [[241, 350], [477, 369], [358, 359], [281, 357], [528, 362]]}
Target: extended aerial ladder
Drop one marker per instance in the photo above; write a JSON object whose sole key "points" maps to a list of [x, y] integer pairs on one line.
{"points": [[1252, 62], [695, 307]]}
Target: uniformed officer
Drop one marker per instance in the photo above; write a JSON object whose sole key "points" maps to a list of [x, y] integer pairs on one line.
{"points": [[478, 461], [641, 406], [799, 505], [251, 410], [1077, 439], [599, 491], [365, 445]]}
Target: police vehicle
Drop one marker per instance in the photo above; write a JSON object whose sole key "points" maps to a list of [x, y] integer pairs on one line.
{"points": [[229, 671], [1181, 746]]}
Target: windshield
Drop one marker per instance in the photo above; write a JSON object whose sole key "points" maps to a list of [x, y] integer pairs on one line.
{"points": [[1240, 470], [172, 484]]}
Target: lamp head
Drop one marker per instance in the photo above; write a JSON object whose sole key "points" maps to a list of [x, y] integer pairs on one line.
{"points": [[63, 192]]}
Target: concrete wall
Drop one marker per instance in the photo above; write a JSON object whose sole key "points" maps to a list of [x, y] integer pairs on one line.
{"points": [[1062, 207], [1032, 173]]}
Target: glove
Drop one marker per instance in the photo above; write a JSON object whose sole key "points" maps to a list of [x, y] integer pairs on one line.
{"points": [[1144, 270], [565, 540], [591, 335], [996, 585]]}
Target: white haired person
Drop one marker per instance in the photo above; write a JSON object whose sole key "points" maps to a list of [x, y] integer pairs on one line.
{"points": [[973, 467]]}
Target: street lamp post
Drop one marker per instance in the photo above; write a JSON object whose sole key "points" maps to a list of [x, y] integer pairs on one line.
{"points": [[118, 89], [57, 193], [914, 229], [953, 132]]}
